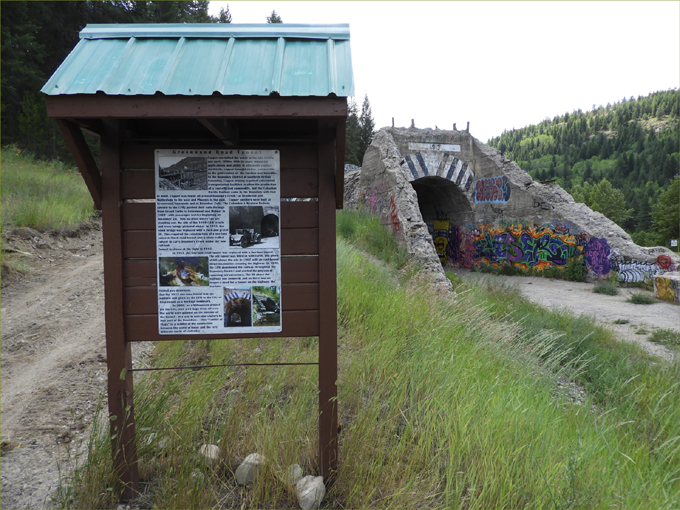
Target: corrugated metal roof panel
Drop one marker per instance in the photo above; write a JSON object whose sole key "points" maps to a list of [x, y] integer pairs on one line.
{"points": [[248, 60]]}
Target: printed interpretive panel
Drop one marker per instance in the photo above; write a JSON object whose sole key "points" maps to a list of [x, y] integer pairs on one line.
{"points": [[218, 241]]}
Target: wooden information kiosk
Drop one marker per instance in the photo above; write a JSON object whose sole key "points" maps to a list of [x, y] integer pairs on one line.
{"points": [[142, 88]]}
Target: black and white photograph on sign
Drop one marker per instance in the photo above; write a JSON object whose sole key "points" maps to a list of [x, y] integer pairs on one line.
{"points": [[266, 305], [183, 271], [237, 307], [182, 174], [254, 226]]}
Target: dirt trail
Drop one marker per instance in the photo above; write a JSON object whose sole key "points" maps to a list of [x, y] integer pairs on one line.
{"points": [[53, 359]]}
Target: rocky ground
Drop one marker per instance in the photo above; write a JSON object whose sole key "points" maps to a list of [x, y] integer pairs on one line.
{"points": [[53, 356]]}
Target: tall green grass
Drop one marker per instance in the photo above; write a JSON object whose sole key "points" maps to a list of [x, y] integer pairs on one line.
{"points": [[445, 401], [41, 194]]}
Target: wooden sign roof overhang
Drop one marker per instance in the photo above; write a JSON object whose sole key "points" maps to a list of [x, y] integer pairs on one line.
{"points": [[211, 81]]}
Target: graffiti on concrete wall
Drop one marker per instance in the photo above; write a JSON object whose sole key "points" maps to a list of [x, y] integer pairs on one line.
{"points": [[394, 215], [531, 248], [667, 288], [597, 253], [440, 237], [664, 261], [378, 201], [492, 189]]}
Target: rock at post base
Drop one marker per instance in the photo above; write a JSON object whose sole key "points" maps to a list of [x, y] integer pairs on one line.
{"points": [[210, 454], [310, 492], [290, 476], [249, 468]]}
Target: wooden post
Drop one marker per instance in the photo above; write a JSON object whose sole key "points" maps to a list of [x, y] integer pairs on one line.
{"points": [[118, 351], [328, 327]]}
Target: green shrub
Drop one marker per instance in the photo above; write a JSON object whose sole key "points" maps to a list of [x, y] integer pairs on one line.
{"points": [[576, 270], [641, 299], [668, 337], [510, 270], [606, 287]]}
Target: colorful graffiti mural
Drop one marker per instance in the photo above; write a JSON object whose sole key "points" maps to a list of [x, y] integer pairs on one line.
{"points": [[667, 288], [440, 237], [492, 189], [531, 248]]}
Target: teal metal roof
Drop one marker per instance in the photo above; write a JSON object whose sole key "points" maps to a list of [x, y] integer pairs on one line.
{"points": [[201, 59]]}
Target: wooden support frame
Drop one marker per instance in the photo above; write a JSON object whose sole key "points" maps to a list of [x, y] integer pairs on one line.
{"points": [[328, 322], [309, 169]]}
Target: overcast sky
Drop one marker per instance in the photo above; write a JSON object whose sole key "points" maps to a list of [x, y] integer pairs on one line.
{"points": [[497, 65]]}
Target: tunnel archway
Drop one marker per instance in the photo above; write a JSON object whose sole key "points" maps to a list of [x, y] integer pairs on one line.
{"points": [[443, 206]]}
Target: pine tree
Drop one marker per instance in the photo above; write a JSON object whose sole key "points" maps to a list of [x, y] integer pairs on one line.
{"points": [[274, 18], [224, 16], [609, 201], [352, 135], [366, 127]]}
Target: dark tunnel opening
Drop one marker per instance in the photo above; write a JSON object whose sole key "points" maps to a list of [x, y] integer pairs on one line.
{"points": [[440, 199]]}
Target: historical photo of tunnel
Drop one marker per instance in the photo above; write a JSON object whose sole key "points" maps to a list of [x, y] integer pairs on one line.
{"points": [[183, 271], [254, 226], [182, 173], [266, 305], [237, 307]]}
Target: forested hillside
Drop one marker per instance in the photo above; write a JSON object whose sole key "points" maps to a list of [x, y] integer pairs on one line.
{"points": [[633, 144], [37, 36]]}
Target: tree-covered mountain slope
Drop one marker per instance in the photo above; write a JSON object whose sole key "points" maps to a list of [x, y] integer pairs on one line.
{"points": [[633, 144]]}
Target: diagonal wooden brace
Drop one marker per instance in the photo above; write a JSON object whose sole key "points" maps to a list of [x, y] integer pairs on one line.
{"points": [[86, 164]]}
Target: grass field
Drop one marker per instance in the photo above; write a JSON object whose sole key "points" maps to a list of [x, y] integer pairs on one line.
{"points": [[41, 194], [445, 401]]}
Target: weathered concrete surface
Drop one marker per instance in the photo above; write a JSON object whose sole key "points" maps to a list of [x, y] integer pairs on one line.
{"points": [[453, 200]]}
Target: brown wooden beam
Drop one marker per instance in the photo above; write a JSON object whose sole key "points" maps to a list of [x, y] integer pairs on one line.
{"points": [[328, 322], [179, 107], [118, 350], [340, 132], [84, 160]]}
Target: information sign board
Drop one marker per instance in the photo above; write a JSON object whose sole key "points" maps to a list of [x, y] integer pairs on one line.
{"points": [[218, 241]]}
